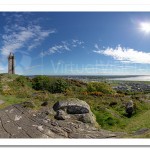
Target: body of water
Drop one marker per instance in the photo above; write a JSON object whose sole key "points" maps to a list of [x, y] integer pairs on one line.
{"points": [[135, 78], [99, 78]]}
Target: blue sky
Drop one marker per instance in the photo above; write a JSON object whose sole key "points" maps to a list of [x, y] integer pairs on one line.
{"points": [[79, 43]]}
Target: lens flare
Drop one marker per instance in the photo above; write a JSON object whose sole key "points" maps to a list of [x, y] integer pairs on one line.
{"points": [[145, 27]]}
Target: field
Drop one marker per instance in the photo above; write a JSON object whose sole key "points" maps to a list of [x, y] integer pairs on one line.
{"points": [[107, 102]]}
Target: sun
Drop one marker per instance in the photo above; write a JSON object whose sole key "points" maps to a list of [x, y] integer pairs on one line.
{"points": [[145, 27]]}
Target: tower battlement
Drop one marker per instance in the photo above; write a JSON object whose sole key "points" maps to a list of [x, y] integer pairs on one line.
{"points": [[11, 64]]}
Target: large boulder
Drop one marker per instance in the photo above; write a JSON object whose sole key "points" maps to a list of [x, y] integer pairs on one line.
{"points": [[74, 109], [72, 106], [129, 108]]}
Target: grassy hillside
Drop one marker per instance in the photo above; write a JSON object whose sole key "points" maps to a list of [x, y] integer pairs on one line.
{"points": [[107, 105]]}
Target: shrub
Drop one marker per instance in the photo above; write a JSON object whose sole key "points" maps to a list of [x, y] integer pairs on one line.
{"points": [[96, 93], [60, 85], [53, 85], [100, 87], [77, 83], [22, 81], [21, 87], [40, 83], [69, 92], [85, 93], [1, 87]]}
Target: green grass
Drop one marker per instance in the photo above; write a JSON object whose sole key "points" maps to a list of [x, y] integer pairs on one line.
{"points": [[140, 121], [114, 118], [10, 100]]}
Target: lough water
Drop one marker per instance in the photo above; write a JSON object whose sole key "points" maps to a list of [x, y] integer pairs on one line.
{"points": [[136, 78]]}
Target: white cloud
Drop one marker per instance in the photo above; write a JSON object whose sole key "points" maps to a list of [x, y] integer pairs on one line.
{"points": [[96, 46], [76, 43], [126, 55], [56, 49], [20, 33], [39, 36], [63, 46], [29, 37]]}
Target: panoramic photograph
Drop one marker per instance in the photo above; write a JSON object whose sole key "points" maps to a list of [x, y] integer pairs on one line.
{"points": [[76, 75]]}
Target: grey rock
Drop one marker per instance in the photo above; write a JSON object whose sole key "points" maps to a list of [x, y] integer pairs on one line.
{"points": [[28, 104], [77, 110], [39, 126], [141, 131], [86, 118], [44, 103], [129, 108], [42, 114], [72, 106], [74, 109], [61, 115]]}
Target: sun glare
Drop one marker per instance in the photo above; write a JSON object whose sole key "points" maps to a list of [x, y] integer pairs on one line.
{"points": [[145, 27]]}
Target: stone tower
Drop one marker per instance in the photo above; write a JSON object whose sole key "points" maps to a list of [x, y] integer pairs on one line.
{"points": [[11, 64]]}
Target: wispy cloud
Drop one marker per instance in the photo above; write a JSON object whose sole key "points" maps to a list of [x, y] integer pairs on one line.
{"points": [[29, 37], [96, 46], [39, 36], [76, 42], [123, 54], [63, 46], [18, 36]]}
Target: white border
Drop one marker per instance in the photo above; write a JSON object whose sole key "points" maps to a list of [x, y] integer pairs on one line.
{"points": [[75, 5], [72, 2], [75, 8], [73, 142]]}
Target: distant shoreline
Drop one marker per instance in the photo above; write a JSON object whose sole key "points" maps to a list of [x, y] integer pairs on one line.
{"points": [[102, 77]]}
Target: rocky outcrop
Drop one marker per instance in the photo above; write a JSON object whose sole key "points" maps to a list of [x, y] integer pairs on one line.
{"points": [[74, 109], [72, 106], [141, 131], [129, 108], [18, 121]]}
